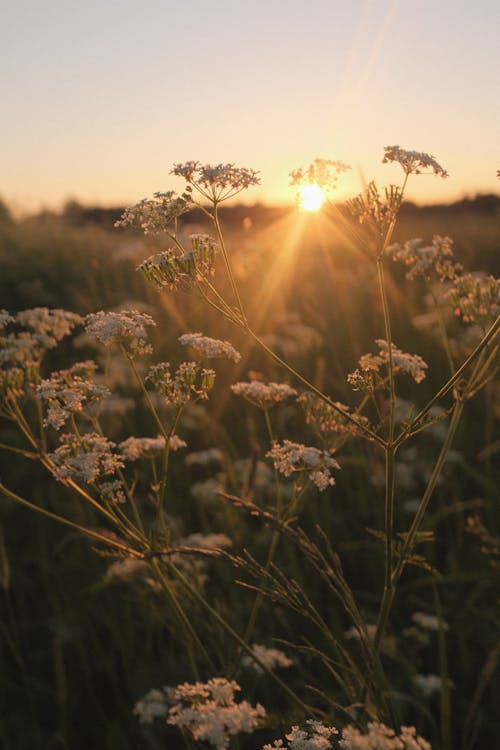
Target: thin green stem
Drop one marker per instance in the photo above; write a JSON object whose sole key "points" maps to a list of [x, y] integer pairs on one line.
{"points": [[146, 394], [225, 255]]}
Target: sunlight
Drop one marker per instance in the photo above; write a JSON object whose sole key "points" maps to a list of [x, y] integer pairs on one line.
{"points": [[311, 197]]}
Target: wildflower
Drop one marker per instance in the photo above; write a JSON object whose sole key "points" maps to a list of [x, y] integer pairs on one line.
{"points": [[413, 162], [5, 318], [270, 657], [209, 347], [321, 172], [376, 212], [217, 182], [84, 458], [368, 377], [429, 622], [154, 705], [52, 324], [292, 457], [428, 684], [209, 711], [67, 392], [207, 491], [263, 395], [422, 259], [132, 449], [174, 269], [190, 381], [316, 736], [326, 419], [126, 328], [155, 215], [203, 458], [476, 298]]}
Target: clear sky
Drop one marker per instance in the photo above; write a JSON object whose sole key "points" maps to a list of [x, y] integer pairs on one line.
{"points": [[99, 97]]}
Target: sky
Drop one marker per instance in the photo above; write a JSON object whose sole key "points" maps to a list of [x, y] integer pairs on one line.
{"points": [[100, 98]]}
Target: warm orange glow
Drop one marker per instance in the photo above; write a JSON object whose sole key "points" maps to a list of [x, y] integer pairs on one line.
{"points": [[311, 197]]}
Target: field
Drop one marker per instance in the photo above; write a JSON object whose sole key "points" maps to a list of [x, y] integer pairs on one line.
{"points": [[86, 634]]}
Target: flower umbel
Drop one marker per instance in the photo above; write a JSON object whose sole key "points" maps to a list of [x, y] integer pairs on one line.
{"points": [[413, 162]]}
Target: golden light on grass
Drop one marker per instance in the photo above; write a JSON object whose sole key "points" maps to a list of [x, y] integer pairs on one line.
{"points": [[311, 197]]}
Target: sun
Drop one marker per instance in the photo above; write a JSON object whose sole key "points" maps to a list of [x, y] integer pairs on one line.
{"points": [[311, 197]]}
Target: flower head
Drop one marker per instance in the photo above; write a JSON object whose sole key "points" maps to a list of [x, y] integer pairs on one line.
{"points": [[126, 328], [263, 395], [290, 458], [321, 172], [182, 270], [413, 162], [209, 347], [85, 458], [218, 182], [209, 711]]}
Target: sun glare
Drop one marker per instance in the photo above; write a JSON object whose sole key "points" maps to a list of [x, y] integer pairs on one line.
{"points": [[311, 197]]}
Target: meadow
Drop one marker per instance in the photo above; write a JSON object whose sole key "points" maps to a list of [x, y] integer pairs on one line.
{"points": [[330, 544]]}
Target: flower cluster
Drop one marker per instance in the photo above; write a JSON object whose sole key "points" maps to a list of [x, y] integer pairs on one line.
{"points": [[378, 736], [327, 420], [209, 711], [126, 328], [134, 448], [210, 348], [205, 457], [263, 395], [476, 298], [25, 349], [84, 458], [316, 736], [321, 172], [270, 657], [375, 211], [155, 215], [422, 260], [153, 705], [217, 182], [368, 377], [182, 270], [290, 458], [190, 381], [413, 162], [429, 622], [69, 391]]}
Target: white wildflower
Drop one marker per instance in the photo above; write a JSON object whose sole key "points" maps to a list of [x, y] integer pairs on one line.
{"points": [[126, 328], [217, 182], [155, 215], [67, 392], [112, 492], [263, 395], [413, 162], [132, 449], [368, 377], [429, 622], [475, 298], [205, 457], [210, 713], [316, 736], [326, 419], [84, 458], [190, 381], [422, 260], [154, 705], [54, 324], [270, 657], [209, 347], [427, 684], [292, 457], [321, 172]]}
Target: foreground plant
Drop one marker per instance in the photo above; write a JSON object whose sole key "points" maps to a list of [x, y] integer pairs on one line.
{"points": [[61, 418]]}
